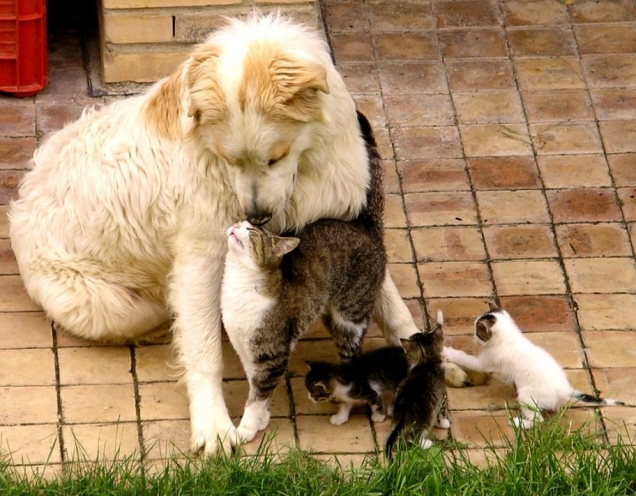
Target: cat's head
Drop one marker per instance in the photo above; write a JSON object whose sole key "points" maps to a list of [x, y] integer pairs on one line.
{"points": [[262, 247], [318, 380], [424, 347], [492, 326]]}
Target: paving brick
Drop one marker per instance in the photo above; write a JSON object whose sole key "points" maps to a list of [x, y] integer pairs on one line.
{"points": [[315, 432], [27, 367], [593, 240], [608, 349], [98, 403], [28, 405], [479, 428], [13, 296], [437, 244], [488, 140], [25, 330], [442, 279], [540, 313], [401, 16], [31, 444], [600, 312], [15, 153], [95, 365], [144, 4], [504, 173], [554, 41], [101, 442], [512, 207], [574, 171], [533, 241], [480, 75], [610, 71], [557, 105], [542, 73], [468, 43], [426, 142], [444, 208], [534, 12], [465, 13], [407, 46], [488, 107], [592, 11], [433, 175], [561, 139], [526, 277], [583, 205], [412, 77]]}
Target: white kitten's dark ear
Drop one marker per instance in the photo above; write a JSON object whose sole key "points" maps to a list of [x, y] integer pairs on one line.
{"points": [[404, 342], [493, 307], [483, 327], [285, 245]]}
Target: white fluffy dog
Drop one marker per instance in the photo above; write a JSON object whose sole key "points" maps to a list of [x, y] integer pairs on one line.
{"points": [[121, 222]]}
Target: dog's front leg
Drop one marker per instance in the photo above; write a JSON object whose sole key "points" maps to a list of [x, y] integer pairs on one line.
{"points": [[392, 314], [195, 288]]}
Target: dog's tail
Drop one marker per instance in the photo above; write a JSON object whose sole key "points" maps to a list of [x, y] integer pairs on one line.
{"points": [[374, 210], [392, 439], [594, 400]]}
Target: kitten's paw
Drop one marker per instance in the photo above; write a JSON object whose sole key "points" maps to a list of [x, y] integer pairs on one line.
{"points": [[426, 443], [522, 423], [378, 417], [338, 419], [442, 423]]}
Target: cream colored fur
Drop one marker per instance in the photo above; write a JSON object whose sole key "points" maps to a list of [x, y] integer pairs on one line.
{"points": [[120, 224]]}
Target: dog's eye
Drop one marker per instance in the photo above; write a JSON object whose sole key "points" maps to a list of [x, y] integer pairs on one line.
{"points": [[271, 162]]}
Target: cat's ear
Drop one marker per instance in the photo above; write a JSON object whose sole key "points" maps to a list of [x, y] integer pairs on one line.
{"points": [[285, 245], [493, 307], [483, 327], [310, 364]]}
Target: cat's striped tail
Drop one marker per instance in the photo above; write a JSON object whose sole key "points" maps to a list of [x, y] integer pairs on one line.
{"points": [[392, 439], [594, 400]]}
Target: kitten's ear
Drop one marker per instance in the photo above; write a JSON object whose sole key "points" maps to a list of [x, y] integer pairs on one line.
{"points": [[404, 342], [323, 385], [493, 307], [483, 327], [285, 245]]}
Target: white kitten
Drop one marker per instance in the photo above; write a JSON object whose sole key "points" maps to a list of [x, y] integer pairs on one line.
{"points": [[540, 381]]}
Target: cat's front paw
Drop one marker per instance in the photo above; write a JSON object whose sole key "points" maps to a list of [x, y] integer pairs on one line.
{"points": [[426, 443], [338, 419], [378, 417], [246, 432]]}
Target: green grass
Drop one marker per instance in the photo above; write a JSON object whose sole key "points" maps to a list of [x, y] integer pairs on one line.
{"points": [[548, 460]]}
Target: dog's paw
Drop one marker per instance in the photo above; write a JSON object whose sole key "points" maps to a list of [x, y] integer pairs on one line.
{"points": [[522, 423], [454, 375], [338, 419], [246, 433], [378, 417], [214, 438]]}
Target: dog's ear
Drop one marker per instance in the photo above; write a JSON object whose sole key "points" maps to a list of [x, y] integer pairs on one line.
{"points": [[207, 101], [297, 86]]}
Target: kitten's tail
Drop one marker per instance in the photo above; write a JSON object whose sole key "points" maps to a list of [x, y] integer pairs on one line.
{"points": [[392, 439], [440, 318], [594, 400]]}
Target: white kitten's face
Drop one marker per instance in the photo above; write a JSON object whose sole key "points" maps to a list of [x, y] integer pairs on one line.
{"points": [[490, 325]]}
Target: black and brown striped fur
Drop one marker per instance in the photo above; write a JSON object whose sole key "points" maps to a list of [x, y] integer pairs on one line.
{"points": [[419, 401], [335, 273]]}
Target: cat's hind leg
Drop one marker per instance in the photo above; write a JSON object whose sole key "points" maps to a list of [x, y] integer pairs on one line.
{"points": [[377, 413], [529, 410], [347, 333], [442, 422]]}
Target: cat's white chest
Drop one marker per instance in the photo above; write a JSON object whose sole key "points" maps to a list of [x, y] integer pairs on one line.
{"points": [[243, 304]]}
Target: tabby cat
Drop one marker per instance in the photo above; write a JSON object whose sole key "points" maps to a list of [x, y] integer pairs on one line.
{"points": [[275, 287], [419, 401], [371, 378]]}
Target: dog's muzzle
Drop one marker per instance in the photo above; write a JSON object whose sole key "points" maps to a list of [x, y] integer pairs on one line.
{"points": [[258, 219]]}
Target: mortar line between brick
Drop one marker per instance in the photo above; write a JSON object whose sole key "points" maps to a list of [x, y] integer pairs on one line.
{"points": [[560, 261], [623, 222], [133, 372], [58, 393], [292, 408], [425, 316]]}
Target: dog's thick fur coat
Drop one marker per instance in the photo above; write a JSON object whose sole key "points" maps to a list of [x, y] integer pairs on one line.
{"points": [[120, 224]]}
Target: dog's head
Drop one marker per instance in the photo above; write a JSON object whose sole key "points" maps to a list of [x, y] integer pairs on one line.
{"points": [[254, 110]]}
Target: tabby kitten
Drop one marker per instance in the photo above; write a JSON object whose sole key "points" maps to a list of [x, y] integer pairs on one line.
{"points": [[275, 287], [371, 378], [540, 381], [419, 401]]}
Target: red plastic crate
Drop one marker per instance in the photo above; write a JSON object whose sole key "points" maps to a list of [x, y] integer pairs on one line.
{"points": [[22, 46]]}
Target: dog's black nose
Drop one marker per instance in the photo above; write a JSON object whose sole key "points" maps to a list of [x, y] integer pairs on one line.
{"points": [[259, 219]]}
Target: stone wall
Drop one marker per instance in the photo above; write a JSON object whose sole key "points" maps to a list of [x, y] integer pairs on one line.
{"points": [[145, 40]]}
